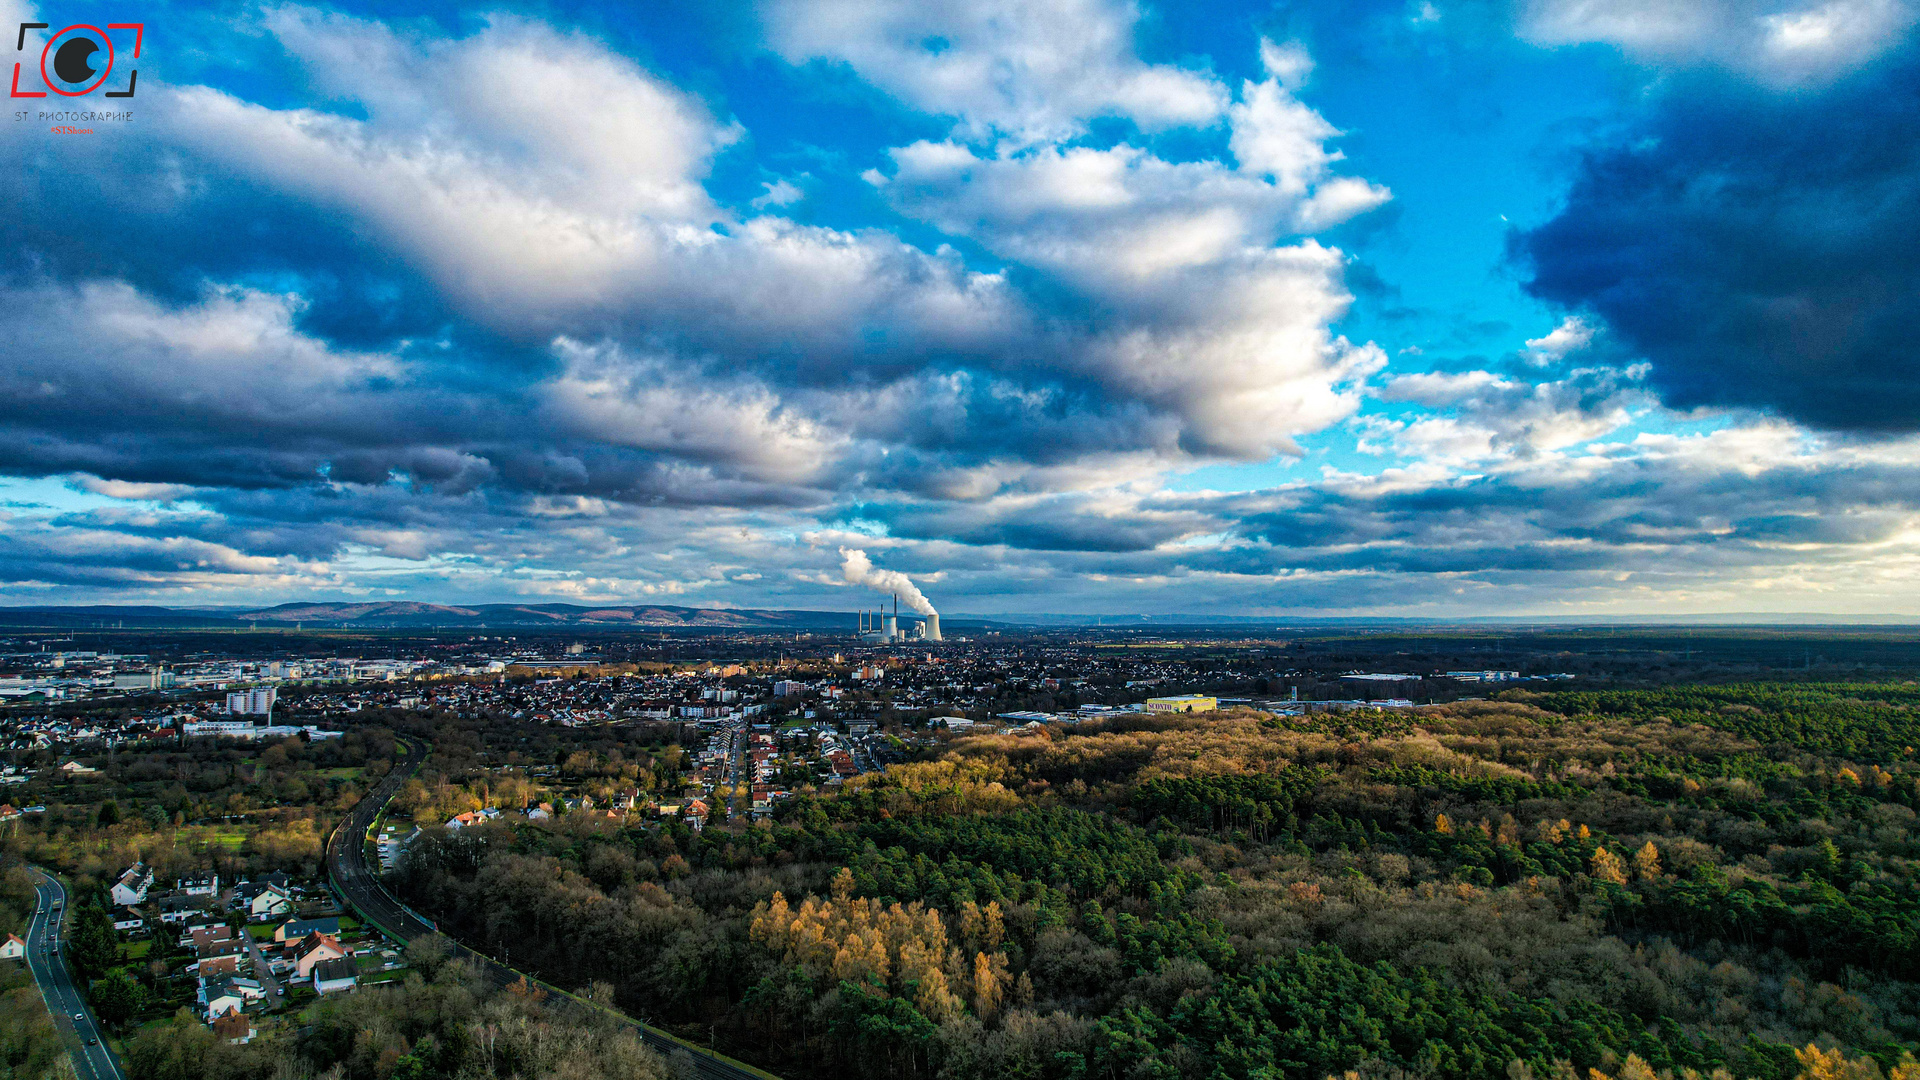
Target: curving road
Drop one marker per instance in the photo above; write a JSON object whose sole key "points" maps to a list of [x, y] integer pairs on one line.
{"points": [[360, 886], [91, 1058]]}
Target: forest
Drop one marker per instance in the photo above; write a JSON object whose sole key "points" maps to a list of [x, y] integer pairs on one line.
{"points": [[189, 806], [445, 1019], [1691, 881]]}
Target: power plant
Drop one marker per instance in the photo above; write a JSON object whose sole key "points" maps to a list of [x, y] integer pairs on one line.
{"points": [[879, 625]]}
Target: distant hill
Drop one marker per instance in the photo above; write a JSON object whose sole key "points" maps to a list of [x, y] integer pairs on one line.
{"points": [[407, 614]]}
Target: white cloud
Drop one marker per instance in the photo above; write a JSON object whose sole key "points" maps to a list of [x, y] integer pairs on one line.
{"points": [[531, 219], [1486, 418], [1777, 41], [609, 396], [234, 357], [122, 489], [1031, 72], [778, 193], [1572, 335]]}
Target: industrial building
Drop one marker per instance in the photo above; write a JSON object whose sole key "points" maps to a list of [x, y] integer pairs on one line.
{"points": [[1183, 703], [880, 627], [255, 702]]}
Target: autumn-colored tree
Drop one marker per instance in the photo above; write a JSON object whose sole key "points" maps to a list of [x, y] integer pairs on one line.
{"points": [[1609, 867], [1817, 1064], [1646, 862], [903, 949]]}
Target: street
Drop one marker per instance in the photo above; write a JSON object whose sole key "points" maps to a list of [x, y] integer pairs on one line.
{"points": [[91, 1058], [263, 971]]}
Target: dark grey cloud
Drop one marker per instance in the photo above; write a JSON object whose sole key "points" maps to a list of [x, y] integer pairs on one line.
{"points": [[1757, 246]]}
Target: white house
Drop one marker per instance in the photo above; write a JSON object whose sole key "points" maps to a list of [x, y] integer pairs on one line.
{"points": [[223, 998], [132, 887], [269, 902], [13, 948], [201, 885], [331, 976]]}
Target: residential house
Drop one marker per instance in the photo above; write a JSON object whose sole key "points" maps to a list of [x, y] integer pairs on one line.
{"points": [[182, 909], [207, 884], [211, 966], [244, 892], [330, 976], [473, 817], [221, 998], [132, 887], [270, 902], [202, 937], [127, 920], [295, 929], [13, 948], [235, 1027], [313, 949], [198, 920]]}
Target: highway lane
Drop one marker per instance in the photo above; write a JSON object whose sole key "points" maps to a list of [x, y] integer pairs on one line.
{"points": [[91, 1058], [360, 886]]}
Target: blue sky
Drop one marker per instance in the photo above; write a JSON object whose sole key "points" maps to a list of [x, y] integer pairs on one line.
{"points": [[1508, 307]]}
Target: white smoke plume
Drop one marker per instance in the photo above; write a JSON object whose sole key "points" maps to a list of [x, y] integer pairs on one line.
{"points": [[859, 570]]}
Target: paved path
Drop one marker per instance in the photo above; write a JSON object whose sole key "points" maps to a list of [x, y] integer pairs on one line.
{"points": [[91, 1058], [360, 886]]}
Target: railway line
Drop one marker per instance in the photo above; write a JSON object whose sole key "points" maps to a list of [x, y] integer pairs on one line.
{"points": [[360, 886]]}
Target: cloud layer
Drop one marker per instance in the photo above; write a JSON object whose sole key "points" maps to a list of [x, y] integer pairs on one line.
{"points": [[480, 313]]}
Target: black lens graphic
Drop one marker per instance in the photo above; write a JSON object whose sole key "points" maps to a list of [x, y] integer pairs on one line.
{"points": [[73, 61]]}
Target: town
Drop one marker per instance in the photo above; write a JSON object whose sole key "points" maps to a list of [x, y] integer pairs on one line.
{"points": [[779, 713]]}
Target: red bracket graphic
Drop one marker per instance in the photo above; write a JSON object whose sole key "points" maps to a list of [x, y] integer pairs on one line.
{"points": [[17, 92], [139, 32]]}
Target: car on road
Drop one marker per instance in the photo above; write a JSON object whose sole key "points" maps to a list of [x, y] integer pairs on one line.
{"points": [[91, 1041], [79, 1016]]}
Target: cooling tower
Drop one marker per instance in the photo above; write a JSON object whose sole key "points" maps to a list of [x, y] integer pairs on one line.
{"points": [[891, 628], [933, 628]]}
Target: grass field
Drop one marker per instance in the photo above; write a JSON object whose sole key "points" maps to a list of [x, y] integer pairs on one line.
{"points": [[230, 837]]}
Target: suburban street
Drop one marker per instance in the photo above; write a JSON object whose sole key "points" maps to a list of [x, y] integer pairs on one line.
{"points": [[91, 1058], [360, 886], [263, 971]]}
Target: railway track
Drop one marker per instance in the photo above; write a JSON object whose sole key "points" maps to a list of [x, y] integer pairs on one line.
{"points": [[359, 885]]}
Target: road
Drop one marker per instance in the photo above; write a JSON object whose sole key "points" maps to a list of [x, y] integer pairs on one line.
{"points": [[91, 1058], [360, 886], [736, 759], [262, 970]]}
